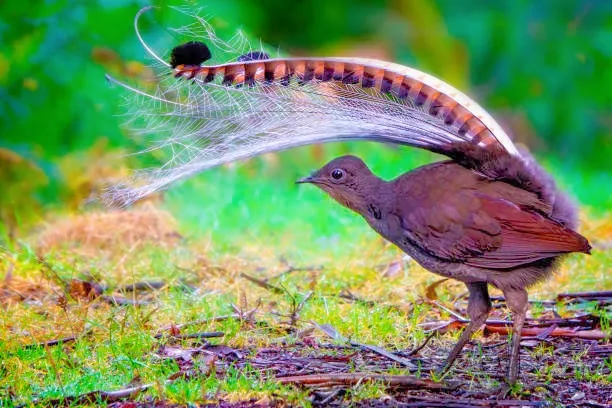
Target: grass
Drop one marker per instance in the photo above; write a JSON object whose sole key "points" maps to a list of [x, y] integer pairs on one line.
{"points": [[207, 232]]}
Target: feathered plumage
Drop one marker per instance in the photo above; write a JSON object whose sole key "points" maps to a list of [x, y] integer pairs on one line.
{"points": [[239, 107], [489, 216]]}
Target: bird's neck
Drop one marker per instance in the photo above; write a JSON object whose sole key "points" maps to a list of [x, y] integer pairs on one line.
{"points": [[374, 199]]}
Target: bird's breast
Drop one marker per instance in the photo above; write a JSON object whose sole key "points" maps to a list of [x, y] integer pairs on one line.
{"points": [[387, 224]]}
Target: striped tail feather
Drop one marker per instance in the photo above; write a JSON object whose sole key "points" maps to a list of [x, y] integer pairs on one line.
{"points": [[208, 115], [424, 92]]}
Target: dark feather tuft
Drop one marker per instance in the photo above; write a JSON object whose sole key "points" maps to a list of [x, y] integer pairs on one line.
{"points": [[190, 53]]}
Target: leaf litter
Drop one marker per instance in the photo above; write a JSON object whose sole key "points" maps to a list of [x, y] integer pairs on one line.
{"points": [[329, 371], [565, 355]]}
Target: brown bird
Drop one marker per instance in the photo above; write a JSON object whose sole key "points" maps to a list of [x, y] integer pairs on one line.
{"points": [[491, 215], [459, 223]]}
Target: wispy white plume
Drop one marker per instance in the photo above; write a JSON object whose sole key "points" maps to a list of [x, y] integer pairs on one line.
{"points": [[203, 124]]}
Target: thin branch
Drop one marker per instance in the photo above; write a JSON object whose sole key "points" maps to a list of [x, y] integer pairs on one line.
{"points": [[603, 295], [291, 269], [145, 285], [459, 317], [351, 379], [334, 334], [122, 301], [51, 343], [201, 335], [419, 348], [263, 284]]}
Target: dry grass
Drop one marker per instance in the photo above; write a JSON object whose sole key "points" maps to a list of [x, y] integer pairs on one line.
{"points": [[103, 233], [116, 344], [598, 229]]}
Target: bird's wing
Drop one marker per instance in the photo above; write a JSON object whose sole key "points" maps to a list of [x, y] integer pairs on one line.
{"points": [[526, 237], [488, 232]]}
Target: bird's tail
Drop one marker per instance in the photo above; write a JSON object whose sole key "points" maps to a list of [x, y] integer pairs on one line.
{"points": [[240, 107]]}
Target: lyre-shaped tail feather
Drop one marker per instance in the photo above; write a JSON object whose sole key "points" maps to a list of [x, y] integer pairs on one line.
{"points": [[214, 114]]}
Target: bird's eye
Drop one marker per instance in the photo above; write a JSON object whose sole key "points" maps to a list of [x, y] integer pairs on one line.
{"points": [[337, 174]]}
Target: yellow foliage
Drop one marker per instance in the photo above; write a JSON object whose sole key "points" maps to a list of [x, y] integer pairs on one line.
{"points": [[19, 178], [30, 84], [5, 67], [87, 173], [430, 41]]}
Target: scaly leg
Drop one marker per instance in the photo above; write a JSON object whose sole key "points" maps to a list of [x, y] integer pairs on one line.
{"points": [[516, 299], [479, 306]]}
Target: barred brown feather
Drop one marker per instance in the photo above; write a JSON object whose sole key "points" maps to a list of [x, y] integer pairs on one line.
{"points": [[433, 95]]}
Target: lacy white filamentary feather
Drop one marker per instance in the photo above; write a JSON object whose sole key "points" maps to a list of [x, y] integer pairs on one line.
{"points": [[231, 109]]}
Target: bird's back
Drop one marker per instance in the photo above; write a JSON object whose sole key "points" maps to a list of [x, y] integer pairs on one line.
{"points": [[457, 214]]}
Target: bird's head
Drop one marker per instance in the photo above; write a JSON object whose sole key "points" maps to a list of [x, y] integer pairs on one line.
{"points": [[347, 180]]}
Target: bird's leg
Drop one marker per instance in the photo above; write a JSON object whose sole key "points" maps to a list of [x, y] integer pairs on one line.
{"points": [[516, 299], [479, 306]]}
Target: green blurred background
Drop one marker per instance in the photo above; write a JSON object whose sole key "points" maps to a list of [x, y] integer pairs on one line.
{"points": [[544, 69]]}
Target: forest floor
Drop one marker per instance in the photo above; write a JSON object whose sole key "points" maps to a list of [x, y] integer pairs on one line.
{"points": [[118, 308]]}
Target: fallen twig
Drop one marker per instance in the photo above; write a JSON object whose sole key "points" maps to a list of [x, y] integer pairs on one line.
{"points": [[454, 402], [435, 327], [145, 285], [586, 320], [263, 284], [201, 335], [456, 315], [605, 349], [539, 330], [544, 333], [419, 348], [99, 396], [345, 294], [333, 333], [325, 396], [557, 332], [291, 269], [385, 353], [350, 379], [123, 301], [51, 343], [548, 303], [578, 296]]}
